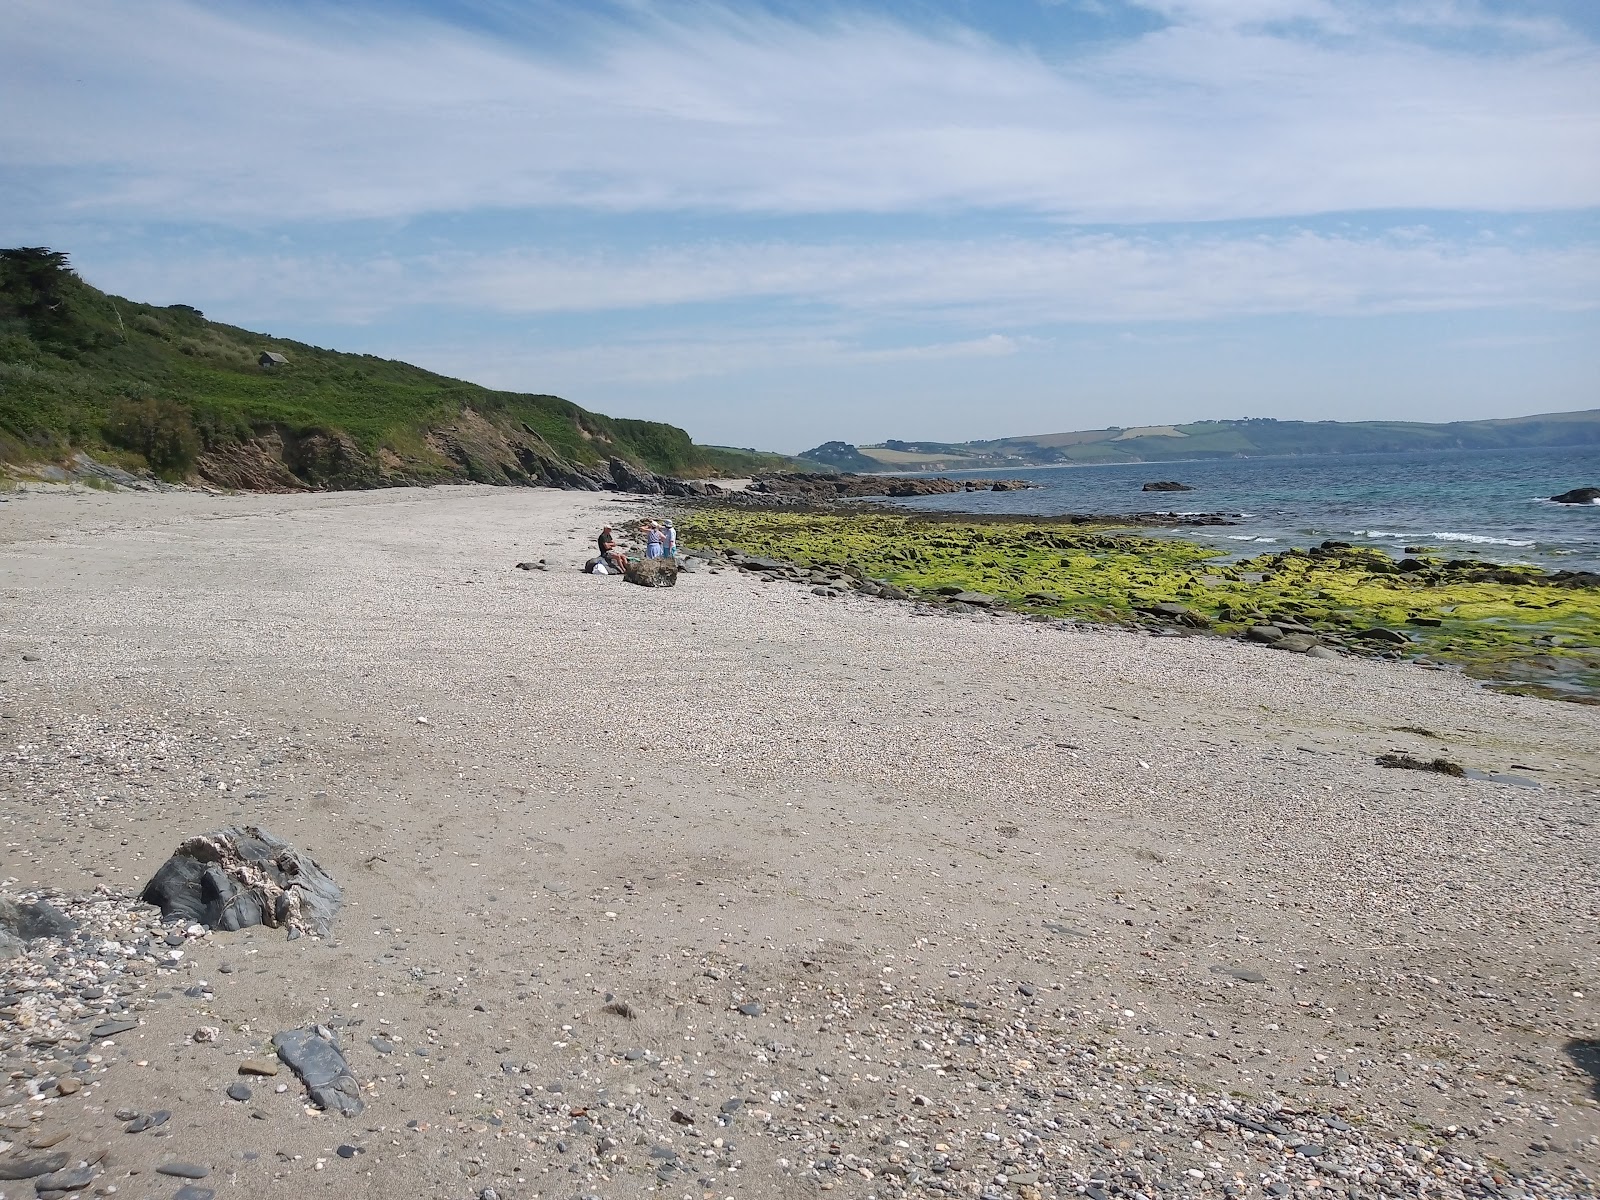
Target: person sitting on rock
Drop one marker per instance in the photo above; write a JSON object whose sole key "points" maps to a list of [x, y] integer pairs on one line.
{"points": [[614, 557]]}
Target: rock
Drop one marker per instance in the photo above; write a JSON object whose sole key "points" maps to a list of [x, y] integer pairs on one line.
{"points": [[541, 565], [629, 478], [108, 1029], [242, 876], [68, 1084], [1267, 634], [35, 919], [1180, 614], [752, 1009], [1379, 634], [348, 1151], [1245, 974], [653, 572], [239, 1091], [1322, 652], [190, 1192], [1166, 485], [258, 1066], [31, 1168], [182, 1170], [1406, 762], [1295, 643], [1584, 495], [321, 1066], [976, 599], [71, 1180]]}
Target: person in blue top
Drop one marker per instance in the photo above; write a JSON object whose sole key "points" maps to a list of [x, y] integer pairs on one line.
{"points": [[670, 542]]}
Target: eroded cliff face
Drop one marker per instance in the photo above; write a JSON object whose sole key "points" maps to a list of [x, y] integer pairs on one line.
{"points": [[470, 448]]}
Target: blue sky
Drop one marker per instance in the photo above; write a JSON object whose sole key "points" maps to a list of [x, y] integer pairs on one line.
{"points": [[778, 224]]}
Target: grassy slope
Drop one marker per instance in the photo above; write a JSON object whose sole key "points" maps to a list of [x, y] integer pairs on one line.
{"points": [[73, 358]]}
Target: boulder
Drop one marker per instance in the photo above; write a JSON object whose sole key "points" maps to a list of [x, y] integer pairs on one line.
{"points": [[653, 572], [1181, 614], [21, 923], [629, 478], [242, 876], [1266, 634], [1295, 643], [1166, 485], [1585, 495], [976, 599]]}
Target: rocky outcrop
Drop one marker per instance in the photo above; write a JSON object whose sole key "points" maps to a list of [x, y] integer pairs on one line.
{"points": [[470, 448], [1585, 495], [806, 488], [652, 572], [1166, 485], [242, 876]]}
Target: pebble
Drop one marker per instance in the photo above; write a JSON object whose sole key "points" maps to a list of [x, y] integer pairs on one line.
{"points": [[182, 1170], [239, 1091]]}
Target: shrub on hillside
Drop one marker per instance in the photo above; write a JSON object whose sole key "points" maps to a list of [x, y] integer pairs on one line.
{"points": [[159, 429]]}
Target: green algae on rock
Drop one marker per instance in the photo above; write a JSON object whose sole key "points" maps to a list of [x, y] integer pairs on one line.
{"points": [[1516, 627]]}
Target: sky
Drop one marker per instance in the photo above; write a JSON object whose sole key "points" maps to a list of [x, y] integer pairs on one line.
{"points": [[781, 223]]}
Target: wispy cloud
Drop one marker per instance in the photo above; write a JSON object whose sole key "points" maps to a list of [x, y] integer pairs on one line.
{"points": [[175, 110], [1014, 281]]}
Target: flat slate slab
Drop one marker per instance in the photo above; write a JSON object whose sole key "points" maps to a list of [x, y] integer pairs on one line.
{"points": [[321, 1065]]}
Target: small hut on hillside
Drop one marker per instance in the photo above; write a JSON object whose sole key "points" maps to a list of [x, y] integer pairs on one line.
{"points": [[270, 360]]}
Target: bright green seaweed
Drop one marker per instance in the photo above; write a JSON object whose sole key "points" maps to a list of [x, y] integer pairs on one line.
{"points": [[1515, 627]]}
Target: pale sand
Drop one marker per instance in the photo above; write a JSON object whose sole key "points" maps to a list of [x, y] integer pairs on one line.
{"points": [[859, 816]]}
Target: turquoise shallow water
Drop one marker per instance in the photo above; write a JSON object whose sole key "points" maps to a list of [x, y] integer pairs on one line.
{"points": [[1489, 504]]}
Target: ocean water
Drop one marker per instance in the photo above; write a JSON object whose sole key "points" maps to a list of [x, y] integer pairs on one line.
{"points": [[1485, 504]]}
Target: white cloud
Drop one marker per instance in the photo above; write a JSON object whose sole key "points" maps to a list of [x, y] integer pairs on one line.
{"points": [[972, 284], [173, 110]]}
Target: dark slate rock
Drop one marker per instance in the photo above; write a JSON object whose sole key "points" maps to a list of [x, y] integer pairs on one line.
{"points": [[1583, 495], [322, 1067], [752, 1009], [348, 1151], [190, 1192], [31, 1168], [239, 1091], [108, 1029], [181, 1170], [64, 1181], [242, 876], [1241, 973], [36, 919]]}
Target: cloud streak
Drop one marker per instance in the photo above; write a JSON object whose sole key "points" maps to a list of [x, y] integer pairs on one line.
{"points": [[972, 283], [172, 110]]}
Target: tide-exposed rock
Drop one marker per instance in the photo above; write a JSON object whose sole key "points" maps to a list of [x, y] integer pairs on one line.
{"points": [[321, 1066], [242, 876]]}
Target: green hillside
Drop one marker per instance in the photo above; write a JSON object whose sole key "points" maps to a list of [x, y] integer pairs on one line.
{"points": [[1250, 438], [165, 388]]}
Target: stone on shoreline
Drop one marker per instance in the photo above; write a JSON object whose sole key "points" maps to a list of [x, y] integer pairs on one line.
{"points": [[652, 572], [1584, 495], [242, 876], [321, 1066]]}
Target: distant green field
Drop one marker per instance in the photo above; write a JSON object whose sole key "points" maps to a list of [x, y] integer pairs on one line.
{"points": [[1257, 437]]}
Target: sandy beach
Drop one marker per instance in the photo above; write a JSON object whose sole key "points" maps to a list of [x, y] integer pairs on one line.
{"points": [[731, 890]]}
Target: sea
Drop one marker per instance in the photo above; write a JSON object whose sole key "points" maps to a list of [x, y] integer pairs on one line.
{"points": [[1482, 504]]}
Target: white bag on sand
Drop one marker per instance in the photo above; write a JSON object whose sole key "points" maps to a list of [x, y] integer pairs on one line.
{"points": [[600, 569]]}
